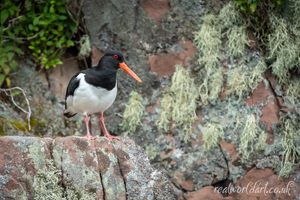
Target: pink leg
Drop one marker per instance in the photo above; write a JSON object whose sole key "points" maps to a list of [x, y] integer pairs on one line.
{"points": [[86, 118], [106, 134]]}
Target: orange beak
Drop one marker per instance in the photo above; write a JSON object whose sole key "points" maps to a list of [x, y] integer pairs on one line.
{"points": [[129, 71]]}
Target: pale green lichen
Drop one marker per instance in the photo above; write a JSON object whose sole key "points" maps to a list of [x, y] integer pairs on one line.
{"points": [[212, 86], [133, 113], [85, 46], [47, 186], [261, 143], [36, 153], [19, 194], [291, 152], [242, 79], [208, 42], [230, 16], [179, 103], [248, 138], [237, 40], [152, 152], [234, 27], [46, 183], [211, 135], [284, 46], [293, 91]]}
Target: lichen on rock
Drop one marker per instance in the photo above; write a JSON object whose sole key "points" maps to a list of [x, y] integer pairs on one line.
{"points": [[133, 113], [179, 103]]}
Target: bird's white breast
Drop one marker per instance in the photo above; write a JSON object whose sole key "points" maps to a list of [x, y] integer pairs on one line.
{"points": [[89, 99]]}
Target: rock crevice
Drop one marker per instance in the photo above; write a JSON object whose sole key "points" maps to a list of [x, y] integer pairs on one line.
{"points": [[76, 167]]}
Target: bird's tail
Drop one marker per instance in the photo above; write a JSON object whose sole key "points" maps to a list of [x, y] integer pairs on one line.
{"points": [[69, 114]]}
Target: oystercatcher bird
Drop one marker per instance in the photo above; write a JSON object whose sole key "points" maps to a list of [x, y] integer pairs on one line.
{"points": [[94, 90]]}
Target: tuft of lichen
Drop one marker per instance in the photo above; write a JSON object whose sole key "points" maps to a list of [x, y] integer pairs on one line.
{"points": [[230, 16], [261, 143], [211, 135], [133, 112], [242, 79], [291, 152], [284, 46], [46, 183], [208, 40], [152, 152], [293, 91], [47, 186], [248, 138], [85, 46], [179, 103], [237, 39]]}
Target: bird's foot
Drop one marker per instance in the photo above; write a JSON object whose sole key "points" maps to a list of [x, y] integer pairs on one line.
{"points": [[91, 137], [110, 137]]}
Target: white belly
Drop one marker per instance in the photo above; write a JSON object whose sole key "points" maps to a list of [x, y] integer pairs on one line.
{"points": [[88, 99]]}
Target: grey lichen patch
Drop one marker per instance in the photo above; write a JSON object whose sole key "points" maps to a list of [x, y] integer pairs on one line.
{"points": [[81, 174], [133, 112], [179, 103], [272, 162], [5, 177], [19, 194], [203, 166], [114, 187], [46, 183], [137, 181], [47, 186], [152, 152], [234, 172], [37, 154]]}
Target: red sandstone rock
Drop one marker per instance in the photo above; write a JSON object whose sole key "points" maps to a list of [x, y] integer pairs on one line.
{"points": [[264, 94], [165, 65], [187, 184], [155, 8], [266, 181], [96, 55], [207, 193], [20, 159], [95, 168]]}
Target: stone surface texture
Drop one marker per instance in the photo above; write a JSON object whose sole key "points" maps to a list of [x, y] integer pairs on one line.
{"points": [[154, 36], [98, 168]]}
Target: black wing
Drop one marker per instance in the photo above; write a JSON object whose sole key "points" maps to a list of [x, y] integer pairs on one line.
{"points": [[73, 85]]}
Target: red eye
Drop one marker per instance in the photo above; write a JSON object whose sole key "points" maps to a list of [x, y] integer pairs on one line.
{"points": [[116, 56]]}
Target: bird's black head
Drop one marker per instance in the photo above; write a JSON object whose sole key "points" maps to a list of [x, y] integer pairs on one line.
{"points": [[115, 59]]}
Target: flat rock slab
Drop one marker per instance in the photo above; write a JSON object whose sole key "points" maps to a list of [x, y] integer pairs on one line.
{"points": [[98, 169]]}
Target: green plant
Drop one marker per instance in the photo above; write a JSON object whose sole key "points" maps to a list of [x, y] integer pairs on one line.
{"points": [[256, 11], [45, 26]]}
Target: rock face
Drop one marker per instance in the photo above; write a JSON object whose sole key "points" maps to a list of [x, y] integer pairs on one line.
{"points": [[78, 167]]}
